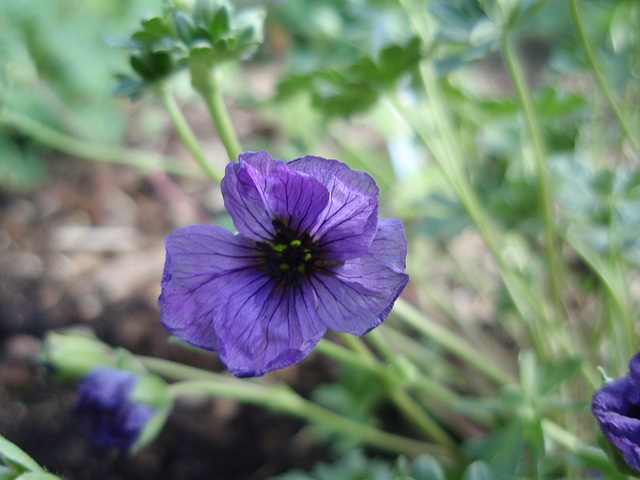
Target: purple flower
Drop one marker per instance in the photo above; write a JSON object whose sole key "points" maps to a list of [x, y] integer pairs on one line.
{"points": [[104, 400], [616, 406], [311, 254]]}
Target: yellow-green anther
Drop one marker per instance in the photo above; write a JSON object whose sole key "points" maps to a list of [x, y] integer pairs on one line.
{"points": [[284, 266], [296, 243], [279, 248], [301, 268], [307, 257]]}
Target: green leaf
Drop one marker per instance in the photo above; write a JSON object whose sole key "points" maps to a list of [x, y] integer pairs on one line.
{"points": [[38, 476], [156, 27], [129, 87], [16, 458], [350, 99], [152, 66], [395, 60], [555, 373], [152, 390], [220, 23], [203, 12], [353, 466], [140, 37], [502, 450], [427, 468], [7, 473], [72, 355], [184, 26], [478, 471], [454, 26], [21, 168], [616, 457], [153, 428]]}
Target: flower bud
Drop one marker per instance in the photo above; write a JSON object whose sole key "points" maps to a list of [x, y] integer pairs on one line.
{"points": [[71, 355], [123, 410]]}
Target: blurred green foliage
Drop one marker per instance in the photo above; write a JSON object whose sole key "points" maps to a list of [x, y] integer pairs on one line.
{"points": [[345, 69], [56, 66]]}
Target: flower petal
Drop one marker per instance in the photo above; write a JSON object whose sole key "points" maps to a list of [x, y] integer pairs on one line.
{"points": [[263, 327], [346, 228], [106, 388], [357, 296], [200, 259], [259, 189], [614, 406], [634, 368]]}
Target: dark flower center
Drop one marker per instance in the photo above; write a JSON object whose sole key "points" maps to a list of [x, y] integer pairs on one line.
{"points": [[633, 412], [290, 256]]}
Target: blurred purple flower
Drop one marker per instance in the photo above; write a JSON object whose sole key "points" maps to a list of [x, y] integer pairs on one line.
{"points": [[311, 254], [104, 400], [616, 406]]}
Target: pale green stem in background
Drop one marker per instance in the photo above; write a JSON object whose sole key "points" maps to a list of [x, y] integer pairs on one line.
{"points": [[593, 456], [615, 287], [281, 399], [638, 79], [146, 162], [545, 197], [207, 84], [178, 371], [528, 304], [395, 390], [597, 72], [379, 344], [186, 134], [453, 343], [445, 151], [357, 345], [419, 382], [420, 419]]}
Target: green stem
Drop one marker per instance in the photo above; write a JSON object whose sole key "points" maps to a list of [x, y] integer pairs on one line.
{"points": [[597, 72], [207, 85], [75, 147], [383, 349], [186, 134], [441, 143], [615, 288], [420, 419], [357, 345], [544, 189], [452, 342], [419, 382], [395, 389], [592, 456], [179, 371], [349, 357], [282, 400]]}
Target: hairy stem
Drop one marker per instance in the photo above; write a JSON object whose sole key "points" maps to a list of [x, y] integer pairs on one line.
{"points": [[206, 82], [186, 134]]}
